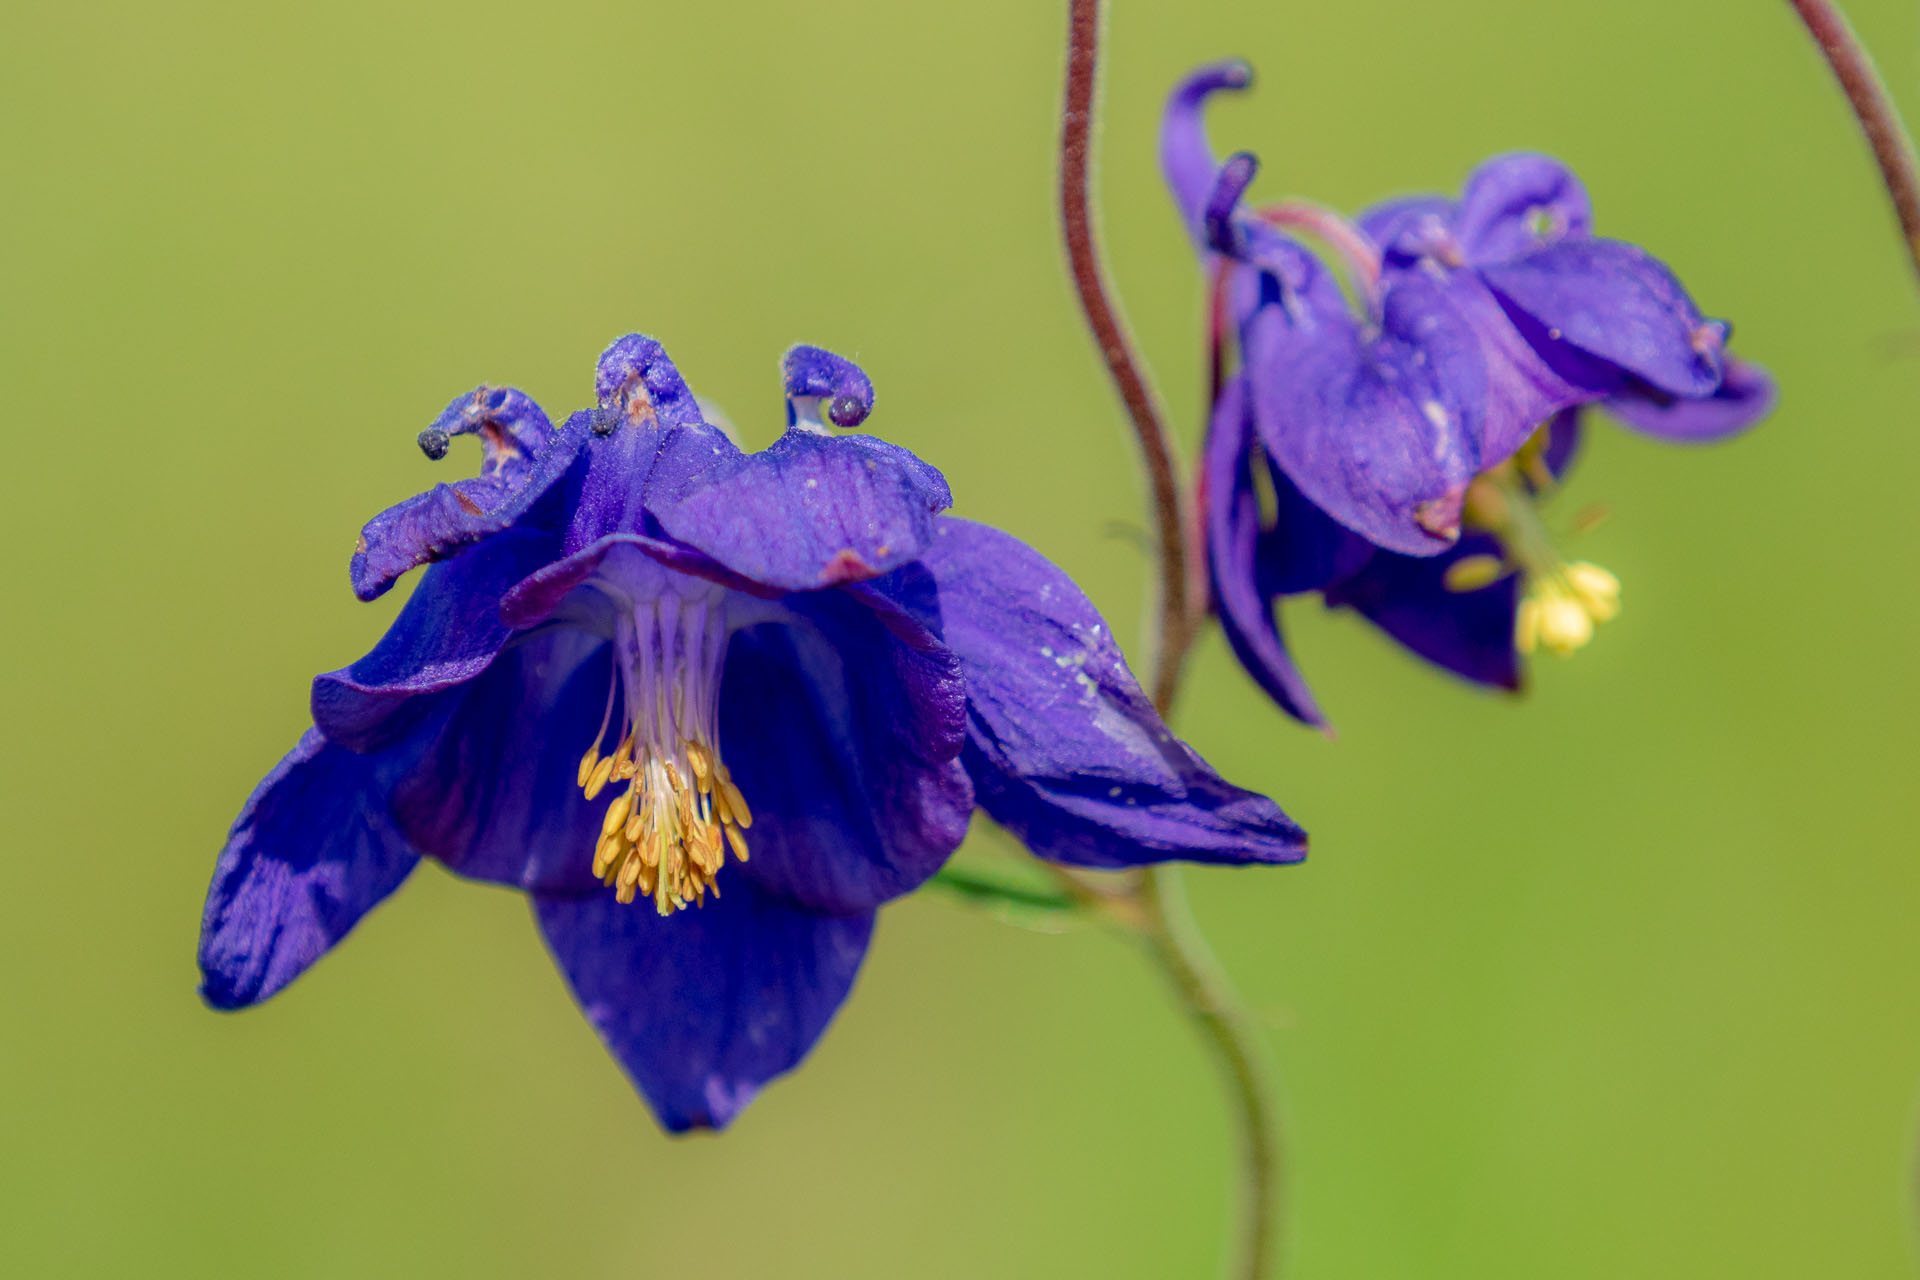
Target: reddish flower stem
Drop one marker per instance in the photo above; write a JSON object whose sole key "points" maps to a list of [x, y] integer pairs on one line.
{"points": [[1152, 907], [1879, 118], [1116, 347]]}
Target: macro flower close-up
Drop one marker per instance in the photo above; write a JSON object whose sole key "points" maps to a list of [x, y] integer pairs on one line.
{"points": [[834, 800], [1394, 460], [757, 694]]}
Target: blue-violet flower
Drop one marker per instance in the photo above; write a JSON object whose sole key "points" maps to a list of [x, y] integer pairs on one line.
{"points": [[646, 667], [1393, 460]]}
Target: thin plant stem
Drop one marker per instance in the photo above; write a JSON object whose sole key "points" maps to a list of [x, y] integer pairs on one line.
{"points": [[1153, 906], [1873, 106], [1175, 941], [1086, 18]]}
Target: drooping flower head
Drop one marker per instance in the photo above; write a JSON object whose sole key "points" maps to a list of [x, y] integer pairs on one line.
{"points": [[710, 710], [1391, 452]]}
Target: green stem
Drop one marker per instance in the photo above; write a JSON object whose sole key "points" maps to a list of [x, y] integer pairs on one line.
{"points": [[982, 888], [1175, 941]]}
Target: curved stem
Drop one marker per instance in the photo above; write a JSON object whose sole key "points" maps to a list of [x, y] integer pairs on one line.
{"points": [[1085, 18], [1210, 1001], [1879, 118], [1154, 906]]}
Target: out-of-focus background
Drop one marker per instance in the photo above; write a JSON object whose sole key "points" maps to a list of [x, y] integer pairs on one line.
{"points": [[1621, 979]]}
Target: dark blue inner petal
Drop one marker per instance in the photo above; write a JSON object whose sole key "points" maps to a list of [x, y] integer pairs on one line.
{"points": [[495, 795], [844, 738], [703, 1007], [1468, 632]]}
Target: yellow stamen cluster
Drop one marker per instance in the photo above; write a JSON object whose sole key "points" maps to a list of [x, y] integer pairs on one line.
{"points": [[667, 835], [1561, 608]]}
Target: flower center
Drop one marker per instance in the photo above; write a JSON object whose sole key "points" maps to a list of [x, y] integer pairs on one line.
{"points": [[666, 835], [1562, 601]]}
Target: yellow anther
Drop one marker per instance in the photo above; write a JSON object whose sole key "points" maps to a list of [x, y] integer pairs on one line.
{"points": [[1565, 625], [1563, 606], [597, 780], [736, 803], [1470, 573], [738, 841], [617, 813], [1597, 590], [587, 762]]}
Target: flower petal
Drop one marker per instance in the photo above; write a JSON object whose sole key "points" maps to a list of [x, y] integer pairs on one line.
{"points": [[312, 851], [1515, 204], [448, 633], [703, 1007], [1406, 229], [495, 794], [810, 511], [1745, 396], [1564, 433], [447, 518], [1382, 433], [1238, 555], [842, 725], [1064, 748], [1468, 632], [1617, 302]]}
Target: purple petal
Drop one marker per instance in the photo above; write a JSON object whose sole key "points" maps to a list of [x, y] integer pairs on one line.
{"points": [[1522, 389], [842, 726], [1619, 303], [630, 468], [448, 633], [1745, 396], [1408, 229], [1468, 632], [1564, 433], [703, 1007], [311, 852], [1235, 547], [1382, 432], [1186, 159], [522, 463], [495, 794], [637, 384], [810, 511], [1064, 748], [1518, 203]]}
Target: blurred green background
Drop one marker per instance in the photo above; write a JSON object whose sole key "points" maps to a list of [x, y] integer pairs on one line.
{"points": [[1621, 980]]}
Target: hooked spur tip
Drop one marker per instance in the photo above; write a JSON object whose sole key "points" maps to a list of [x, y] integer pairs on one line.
{"points": [[847, 411], [1230, 73], [434, 442], [815, 375]]}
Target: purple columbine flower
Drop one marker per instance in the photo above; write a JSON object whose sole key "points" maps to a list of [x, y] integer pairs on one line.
{"points": [[1391, 453], [647, 672]]}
